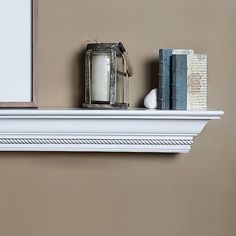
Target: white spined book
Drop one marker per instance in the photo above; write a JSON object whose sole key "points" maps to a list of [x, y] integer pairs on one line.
{"points": [[197, 83]]}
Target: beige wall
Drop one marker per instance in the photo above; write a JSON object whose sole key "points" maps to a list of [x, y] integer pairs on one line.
{"points": [[56, 194]]}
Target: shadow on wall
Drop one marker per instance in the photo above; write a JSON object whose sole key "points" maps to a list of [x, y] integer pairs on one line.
{"points": [[78, 75], [66, 162], [84, 155], [151, 72]]}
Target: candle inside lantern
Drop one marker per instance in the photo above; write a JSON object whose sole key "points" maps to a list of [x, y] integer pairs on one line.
{"points": [[101, 77]]}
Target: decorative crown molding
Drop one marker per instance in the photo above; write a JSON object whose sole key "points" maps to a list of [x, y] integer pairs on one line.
{"points": [[101, 130], [51, 141]]}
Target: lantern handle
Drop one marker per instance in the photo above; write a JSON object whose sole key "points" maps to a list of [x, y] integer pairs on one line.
{"points": [[125, 54]]}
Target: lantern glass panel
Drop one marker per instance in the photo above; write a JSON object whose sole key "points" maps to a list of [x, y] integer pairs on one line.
{"points": [[121, 83]]}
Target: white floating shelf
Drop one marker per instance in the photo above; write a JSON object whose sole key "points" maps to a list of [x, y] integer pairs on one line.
{"points": [[137, 130]]}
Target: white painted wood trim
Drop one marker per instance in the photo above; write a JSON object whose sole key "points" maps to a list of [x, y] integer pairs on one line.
{"points": [[138, 130]]}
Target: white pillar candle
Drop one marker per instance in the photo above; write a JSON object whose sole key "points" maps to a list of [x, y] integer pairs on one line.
{"points": [[101, 77]]}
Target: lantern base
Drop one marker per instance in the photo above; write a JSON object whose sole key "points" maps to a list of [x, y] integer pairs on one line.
{"points": [[106, 106]]}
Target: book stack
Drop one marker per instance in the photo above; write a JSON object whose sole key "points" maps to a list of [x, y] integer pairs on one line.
{"points": [[182, 80]]}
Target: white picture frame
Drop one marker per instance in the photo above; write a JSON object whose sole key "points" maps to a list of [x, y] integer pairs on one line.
{"points": [[18, 49]]}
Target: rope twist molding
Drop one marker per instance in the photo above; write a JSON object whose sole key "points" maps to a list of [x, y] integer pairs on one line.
{"points": [[64, 141]]}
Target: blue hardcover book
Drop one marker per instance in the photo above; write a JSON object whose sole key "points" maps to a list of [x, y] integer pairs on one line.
{"points": [[164, 87], [179, 82]]}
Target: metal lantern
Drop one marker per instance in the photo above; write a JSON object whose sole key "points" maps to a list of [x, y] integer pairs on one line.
{"points": [[106, 76]]}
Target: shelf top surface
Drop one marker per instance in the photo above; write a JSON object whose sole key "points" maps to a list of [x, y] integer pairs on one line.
{"points": [[138, 112]]}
